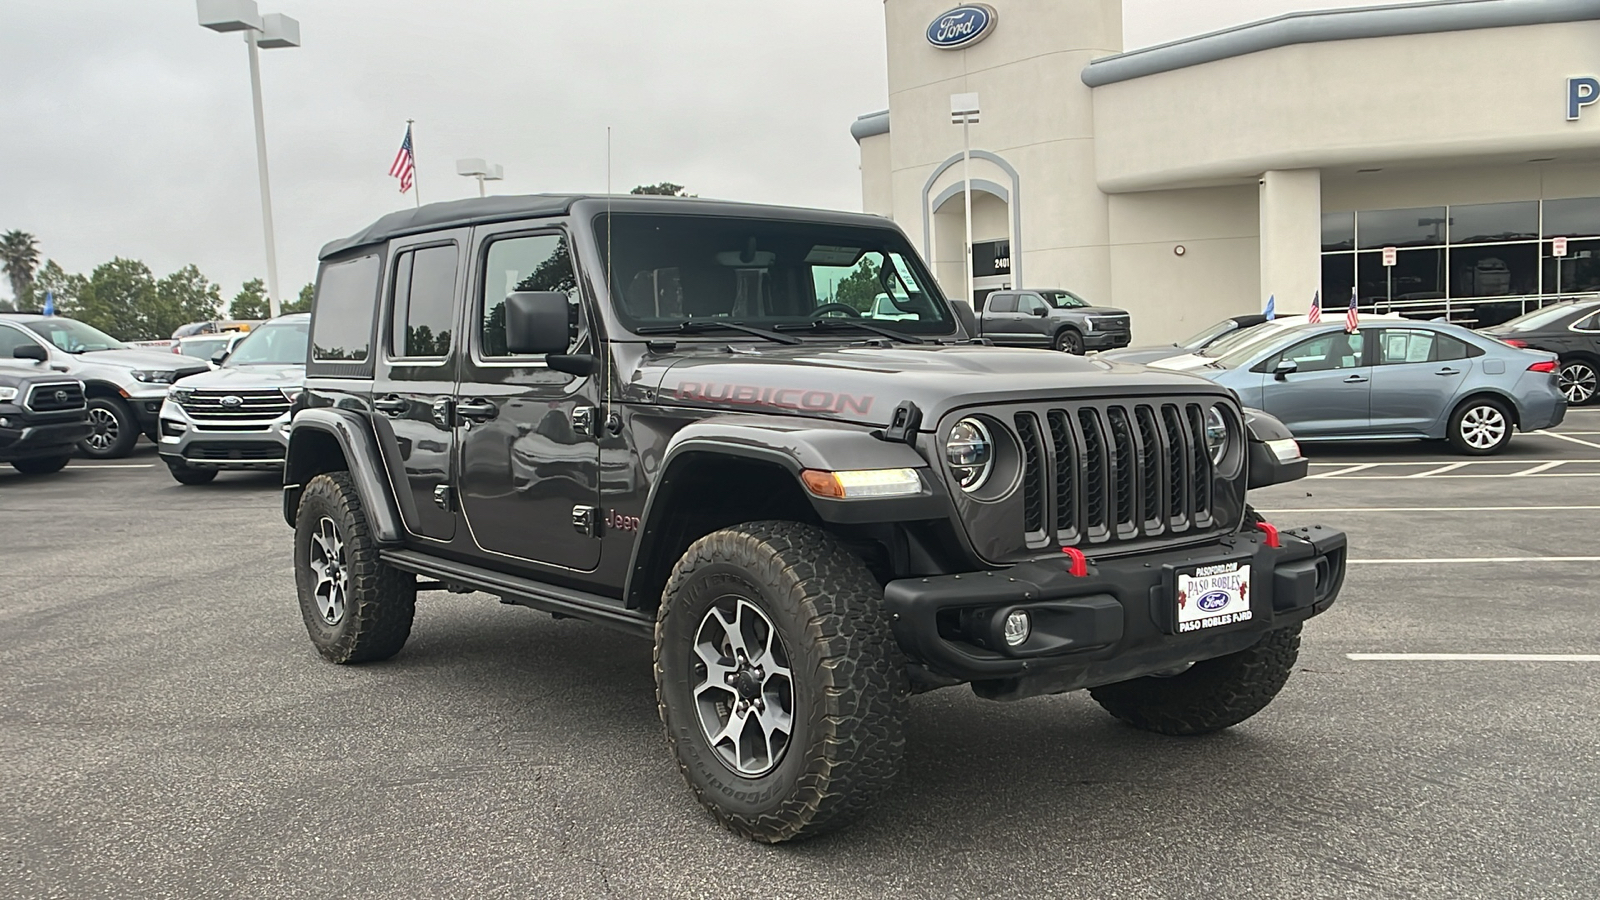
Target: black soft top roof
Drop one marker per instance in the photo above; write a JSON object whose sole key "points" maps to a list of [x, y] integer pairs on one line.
{"points": [[483, 210]]}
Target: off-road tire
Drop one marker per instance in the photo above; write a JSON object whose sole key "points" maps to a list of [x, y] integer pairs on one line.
{"points": [[123, 434], [1068, 340], [40, 465], [1210, 695], [187, 474], [379, 602], [850, 694], [1479, 406]]}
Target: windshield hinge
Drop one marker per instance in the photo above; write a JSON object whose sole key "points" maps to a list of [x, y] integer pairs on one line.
{"points": [[903, 424]]}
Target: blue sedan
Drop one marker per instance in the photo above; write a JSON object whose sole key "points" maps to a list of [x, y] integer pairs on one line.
{"points": [[1395, 380]]}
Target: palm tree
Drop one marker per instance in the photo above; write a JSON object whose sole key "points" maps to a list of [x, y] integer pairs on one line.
{"points": [[19, 256]]}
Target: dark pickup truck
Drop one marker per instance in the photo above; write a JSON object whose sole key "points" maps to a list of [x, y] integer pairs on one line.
{"points": [[656, 414], [42, 415], [1053, 319]]}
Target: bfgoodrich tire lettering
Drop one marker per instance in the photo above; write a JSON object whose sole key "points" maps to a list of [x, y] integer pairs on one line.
{"points": [[1210, 695], [848, 686], [367, 615]]}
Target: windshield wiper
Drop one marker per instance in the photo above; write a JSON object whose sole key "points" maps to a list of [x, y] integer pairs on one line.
{"points": [[692, 326], [820, 324]]}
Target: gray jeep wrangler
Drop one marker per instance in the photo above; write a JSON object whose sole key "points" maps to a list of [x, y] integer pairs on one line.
{"points": [[686, 419]]}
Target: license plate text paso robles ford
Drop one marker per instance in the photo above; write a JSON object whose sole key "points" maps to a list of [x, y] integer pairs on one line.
{"points": [[1213, 595]]}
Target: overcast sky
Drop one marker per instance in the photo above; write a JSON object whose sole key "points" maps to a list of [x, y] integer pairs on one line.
{"points": [[125, 128]]}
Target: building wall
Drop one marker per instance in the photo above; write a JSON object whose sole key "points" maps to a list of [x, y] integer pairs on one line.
{"points": [[877, 191], [1407, 186]]}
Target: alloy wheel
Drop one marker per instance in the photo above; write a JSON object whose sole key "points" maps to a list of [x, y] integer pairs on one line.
{"points": [[1483, 427], [1578, 382], [328, 565], [106, 429], [744, 691]]}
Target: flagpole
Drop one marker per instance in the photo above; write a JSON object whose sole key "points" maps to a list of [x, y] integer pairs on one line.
{"points": [[415, 182]]}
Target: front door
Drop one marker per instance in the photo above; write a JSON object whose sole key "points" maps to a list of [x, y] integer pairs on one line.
{"points": [[415, 382], [1329, 394], [530, 464], [1417, 372]]}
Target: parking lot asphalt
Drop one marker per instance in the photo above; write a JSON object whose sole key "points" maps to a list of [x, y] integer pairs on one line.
{"points": [[166, 729]]}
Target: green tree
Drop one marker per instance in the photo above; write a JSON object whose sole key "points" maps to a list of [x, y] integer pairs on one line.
{"points": [[250, 302], [180, 298], [664, 189], [65, 287], [860, 288], [301, 303], [114, 299], [19, 256]]}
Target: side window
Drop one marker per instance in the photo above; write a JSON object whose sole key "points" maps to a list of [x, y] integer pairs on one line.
{"points": [[1587, 323], [1325, 352], [539, 262], [1003, 303], [1397, 346], [11, 339], [1029, 303], [347, 294], [424, 302], [1447, 348]]}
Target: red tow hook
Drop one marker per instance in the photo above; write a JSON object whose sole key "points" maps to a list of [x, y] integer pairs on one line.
{"points": [[1271, 531], [1080, 563]]}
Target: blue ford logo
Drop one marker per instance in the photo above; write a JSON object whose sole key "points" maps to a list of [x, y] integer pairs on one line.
{"points": [[232, 402], [962, 26], [1213, 601]]}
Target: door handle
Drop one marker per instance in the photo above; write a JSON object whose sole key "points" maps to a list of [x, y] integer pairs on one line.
{"points": [[476, 410], [391, 405], [1448, 372], [1355, 379]]}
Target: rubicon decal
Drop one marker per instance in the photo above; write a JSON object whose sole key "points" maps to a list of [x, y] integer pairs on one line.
{"points": [[773, 398]]}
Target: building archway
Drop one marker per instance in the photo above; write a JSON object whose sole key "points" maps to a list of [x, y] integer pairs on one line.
{"points": [[997, 219]]}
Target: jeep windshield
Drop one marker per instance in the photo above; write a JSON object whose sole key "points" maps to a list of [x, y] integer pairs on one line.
{"points": [[72, 336], [688, 274], [273, 344]]}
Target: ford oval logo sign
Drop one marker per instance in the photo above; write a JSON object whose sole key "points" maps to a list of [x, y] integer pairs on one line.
{"points": [[1213, 601], [962, 27], [232, 402]]}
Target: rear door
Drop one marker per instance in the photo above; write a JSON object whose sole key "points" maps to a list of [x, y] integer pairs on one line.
{"points": [[1000, 316], [1330, 394], [415, 385], [1416, 374], [529, 460]]}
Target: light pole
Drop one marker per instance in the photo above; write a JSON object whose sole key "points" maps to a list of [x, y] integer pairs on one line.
{"points": [[269, 31], [964, 112], [483, 171]]}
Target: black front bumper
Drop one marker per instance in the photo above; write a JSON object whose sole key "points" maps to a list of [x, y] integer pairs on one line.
{"points": [[1106, 340], [42, 439], [1118, 621]]}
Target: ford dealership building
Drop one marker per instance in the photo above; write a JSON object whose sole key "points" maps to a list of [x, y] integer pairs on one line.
{"points": [[1458, 141]]}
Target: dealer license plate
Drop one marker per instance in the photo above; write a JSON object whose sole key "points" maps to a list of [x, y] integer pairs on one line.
{"points": [[1213, 595]]}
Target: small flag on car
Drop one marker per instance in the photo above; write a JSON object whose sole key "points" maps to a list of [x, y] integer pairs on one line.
{"points": [[405, 165], [1272, 307], [1316, 308], [49, 303], [1351, 324]]}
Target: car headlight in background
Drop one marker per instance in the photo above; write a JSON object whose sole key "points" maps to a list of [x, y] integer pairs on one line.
{"points": [[970, 450], [1217, 434], [7, 393], [154, 376], [180, 394]]}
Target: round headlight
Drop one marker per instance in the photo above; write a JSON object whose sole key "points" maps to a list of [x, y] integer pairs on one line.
{"points": [[1216, 434], [971, 453]]}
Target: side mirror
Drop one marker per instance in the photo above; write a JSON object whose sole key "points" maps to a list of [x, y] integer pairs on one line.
{"points": [[31, 351], [1040, 311], [967, 318], [1284, 369], [538, 322], [218, 357]]}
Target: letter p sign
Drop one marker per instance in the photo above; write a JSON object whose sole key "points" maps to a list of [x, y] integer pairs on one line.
{"points": [[1580, 93]]}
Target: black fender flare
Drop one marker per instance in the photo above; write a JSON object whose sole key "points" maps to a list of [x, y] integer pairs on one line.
{"points": [[793, 446], [350, 431], [1268, 466]]}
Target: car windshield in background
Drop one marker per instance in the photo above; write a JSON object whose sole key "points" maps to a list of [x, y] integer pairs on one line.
{"points": [[73, 336], [1063, 299], [1265, 337], [1539, 318], [1204, 338], [273, 344], [692, 273], [1239, 338], [204, 349]]}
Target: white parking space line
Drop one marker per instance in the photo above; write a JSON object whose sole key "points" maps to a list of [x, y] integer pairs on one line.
{"points": [[1343, 471], [113, 465], [1440, 462], [1542, 467], [1567, 438], [1446, 468], [1474, 657], [1466, 560], [1416, 509], [1537, 468]]}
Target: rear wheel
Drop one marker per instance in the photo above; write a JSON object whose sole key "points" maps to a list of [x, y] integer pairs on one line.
{"points": [[1481, 427], [1578, 381], [356, 608], [184, 473], [1069, 341], [1210, 695], [40, 465], [115, 430]]}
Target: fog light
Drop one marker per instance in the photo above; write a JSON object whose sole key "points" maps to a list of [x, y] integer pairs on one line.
{"points": [[1017, 628], [5, 422]]}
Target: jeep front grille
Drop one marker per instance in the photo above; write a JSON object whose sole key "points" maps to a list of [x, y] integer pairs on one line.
{"points": [[1114, 472], [232, 406], [54, 396]]}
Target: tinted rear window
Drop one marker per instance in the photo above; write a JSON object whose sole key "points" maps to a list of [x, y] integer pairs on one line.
{"points": [[347, 294]]}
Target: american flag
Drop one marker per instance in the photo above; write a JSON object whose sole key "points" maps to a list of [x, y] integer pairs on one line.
{"points": [[1350, 323], [405, 165], [1316, 308]]}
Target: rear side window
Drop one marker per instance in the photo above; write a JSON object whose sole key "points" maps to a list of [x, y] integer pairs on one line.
{"points": [[424, 302], [347, 294], [1587, 323]]}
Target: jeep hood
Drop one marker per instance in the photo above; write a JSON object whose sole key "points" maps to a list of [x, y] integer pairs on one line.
{"points": [[864, 384], [248, 377]]}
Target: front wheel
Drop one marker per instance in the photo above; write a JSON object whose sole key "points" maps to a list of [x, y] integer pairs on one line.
{"points": [[1481, 427], [1578, 381], [778, 681], [183, 473], [1069, 341], [1210, 695], [115, 430], [40, 465]]}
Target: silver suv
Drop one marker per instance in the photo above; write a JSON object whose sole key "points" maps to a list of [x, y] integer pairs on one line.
{"points": [[237, 417], [124, 385]]}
